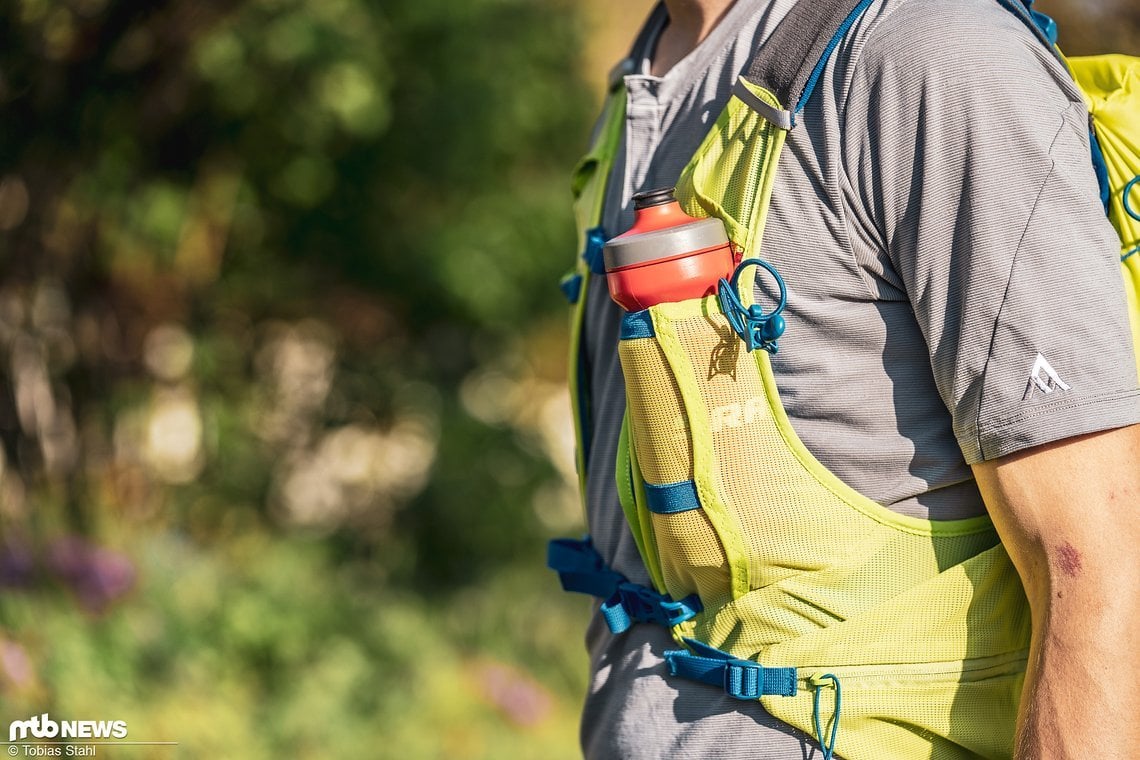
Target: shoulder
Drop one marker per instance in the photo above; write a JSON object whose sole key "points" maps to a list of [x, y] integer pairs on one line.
{"points": [[976, 49]]}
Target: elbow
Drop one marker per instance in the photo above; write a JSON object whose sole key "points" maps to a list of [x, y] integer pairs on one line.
{"points": [[1085, 576]]}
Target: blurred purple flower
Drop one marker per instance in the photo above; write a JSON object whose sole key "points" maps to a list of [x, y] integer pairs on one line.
{"points": [[17, 567], [520, 698], [15, 665], [98, 576]]}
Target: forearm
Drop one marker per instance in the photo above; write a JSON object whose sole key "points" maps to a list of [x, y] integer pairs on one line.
{"points": [[1067, 514], [1078, 700]]}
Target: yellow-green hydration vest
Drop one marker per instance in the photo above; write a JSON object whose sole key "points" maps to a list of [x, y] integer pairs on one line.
{"points": [[911, 635]]}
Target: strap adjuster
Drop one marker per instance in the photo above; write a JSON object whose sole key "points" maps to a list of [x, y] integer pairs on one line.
{"points": [[740, 679], [632, 602], [580, 568], [744, 679]]}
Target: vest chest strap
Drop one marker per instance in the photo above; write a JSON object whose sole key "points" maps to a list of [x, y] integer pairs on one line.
{"points": [[741, 679], [582, 570]]}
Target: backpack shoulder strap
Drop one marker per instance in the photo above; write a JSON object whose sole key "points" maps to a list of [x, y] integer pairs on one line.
{"points": [[789, 63]]}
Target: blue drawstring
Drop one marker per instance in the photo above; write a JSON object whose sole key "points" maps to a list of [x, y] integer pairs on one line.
{"points": [[1127, 203], [828, 747], [755, 328]]}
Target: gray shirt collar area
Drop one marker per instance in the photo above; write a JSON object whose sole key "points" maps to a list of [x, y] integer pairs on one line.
{"points": [[681, 79]]}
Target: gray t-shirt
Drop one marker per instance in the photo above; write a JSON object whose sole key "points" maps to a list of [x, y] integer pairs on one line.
{"points": [[935, 218]]}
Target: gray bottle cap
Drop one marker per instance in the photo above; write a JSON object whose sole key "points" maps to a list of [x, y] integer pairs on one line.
{"points": [[661, 244]]}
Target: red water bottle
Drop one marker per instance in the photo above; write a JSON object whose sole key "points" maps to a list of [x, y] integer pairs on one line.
{"points": [[667, 255]]}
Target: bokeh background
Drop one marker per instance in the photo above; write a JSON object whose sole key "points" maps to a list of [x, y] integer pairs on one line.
{"points": [[283, 421]]}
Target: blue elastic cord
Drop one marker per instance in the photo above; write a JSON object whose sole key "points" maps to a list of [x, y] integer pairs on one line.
{"points": [[755, 328], [828, 747], [581, 569], [1127, 203]]}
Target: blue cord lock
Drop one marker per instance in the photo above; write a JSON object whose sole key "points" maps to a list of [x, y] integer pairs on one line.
{"points": [[755, 327]]}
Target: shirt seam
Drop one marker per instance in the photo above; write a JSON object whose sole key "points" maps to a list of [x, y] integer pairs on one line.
{"points": [[1009, 279], [984, 375], [841, 165]]}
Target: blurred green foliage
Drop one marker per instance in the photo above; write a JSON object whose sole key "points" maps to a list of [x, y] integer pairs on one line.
{"points": [[282, 352], [282, 415]]}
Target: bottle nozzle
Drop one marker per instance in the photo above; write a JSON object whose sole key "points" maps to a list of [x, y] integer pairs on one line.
{"points": [[656, 197]]}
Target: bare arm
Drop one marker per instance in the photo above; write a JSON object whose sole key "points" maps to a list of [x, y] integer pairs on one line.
{"points": [[1069, 515]]}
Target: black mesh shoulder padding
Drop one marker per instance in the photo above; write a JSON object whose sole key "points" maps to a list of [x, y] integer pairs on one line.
{"points": [[784, 62]]}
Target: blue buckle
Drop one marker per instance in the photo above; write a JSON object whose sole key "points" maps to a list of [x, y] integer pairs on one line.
{"points": [[740, 679], [678, 612], [632, 602], [743, 679], [581, 569]]}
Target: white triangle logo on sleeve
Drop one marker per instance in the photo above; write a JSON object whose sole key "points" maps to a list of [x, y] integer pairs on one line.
{"points": [[1044, 378]]}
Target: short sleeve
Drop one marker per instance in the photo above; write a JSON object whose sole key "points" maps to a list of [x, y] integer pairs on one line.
{"points": [[966, 151]]}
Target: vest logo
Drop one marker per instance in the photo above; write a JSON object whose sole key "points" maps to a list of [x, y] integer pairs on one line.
{"points": [[737, 415], [43, 727], [1044, 378]]}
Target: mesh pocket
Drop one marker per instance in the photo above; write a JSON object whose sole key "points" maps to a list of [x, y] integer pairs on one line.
{"points": [[692, 557], [731, 174], [660, 428]]}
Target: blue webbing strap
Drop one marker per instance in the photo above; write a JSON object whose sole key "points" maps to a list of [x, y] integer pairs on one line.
{"points": [[740, 679], [582, 570], [571, 287], [637, 324], [1101, 169], [595, 242], [671, 498]]}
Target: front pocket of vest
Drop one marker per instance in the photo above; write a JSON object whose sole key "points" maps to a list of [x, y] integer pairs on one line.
{"points": [[733, 506], [959, 710], [692, 556], [703, 437]]}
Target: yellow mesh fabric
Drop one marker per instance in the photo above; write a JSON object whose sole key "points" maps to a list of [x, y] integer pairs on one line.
{"points": [[661, 431], [725, 178], [588, 185], [926, 620], [691, 555], [1111, 85]]}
